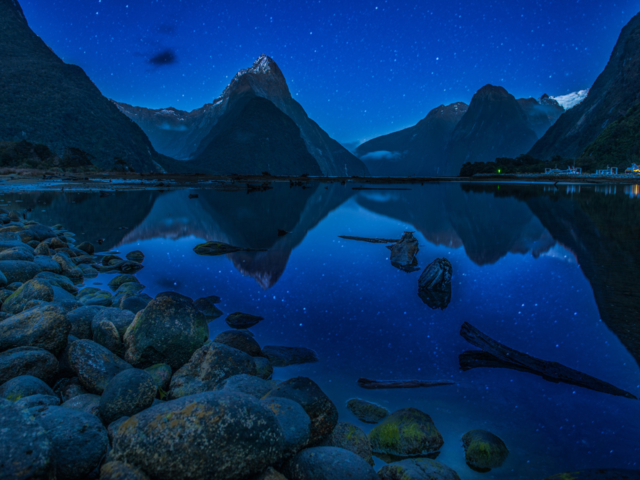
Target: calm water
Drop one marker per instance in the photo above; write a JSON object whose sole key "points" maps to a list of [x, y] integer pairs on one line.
{"points": [[554, 273]]}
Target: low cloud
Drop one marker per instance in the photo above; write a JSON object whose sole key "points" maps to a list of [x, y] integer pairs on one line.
{"points": [[165, 57], [175, 128], [382, 155]]}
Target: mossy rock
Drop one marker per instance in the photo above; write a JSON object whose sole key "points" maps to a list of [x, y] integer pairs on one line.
{"points": [[36, 289], [367, 412], [128, 393], [352, 438], [483, 450], [417, 469], [95, 365], [406, 432], [33, 361], [24, 386], [161, 374], [135, 256], [41, 326], [121, 471], [264, 369], [121, 279]]}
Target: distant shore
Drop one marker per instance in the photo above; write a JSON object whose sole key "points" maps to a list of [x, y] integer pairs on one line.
{"points": [[37, 180]]}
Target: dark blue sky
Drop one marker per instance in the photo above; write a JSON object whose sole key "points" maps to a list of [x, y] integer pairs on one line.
{"points": [[359, 68]]}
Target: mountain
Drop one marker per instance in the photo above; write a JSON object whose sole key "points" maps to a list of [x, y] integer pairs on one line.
{"points": [[570, 100], [541, 114], [613, 94], [495, 125], [187, 135], [46, 101], [419, 150]]}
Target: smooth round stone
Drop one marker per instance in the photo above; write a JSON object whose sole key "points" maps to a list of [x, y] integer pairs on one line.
{"points": [[106, 334], [239, 340], [79, 440], [95, 296], [121, 319], [135, 256], [127, 393], [242, 320], [25, 449], [87, 247], [35, 289], [417, 469], [135, 303], [406, 432], [81, 320], [24, 386], [352, 438], [33, 361], [95, 365], [119, 280], [249, 384], [86, 402], [321, 410], [19, 270], [483, 450], [270, 474], [38, 400], [264, 369], [366, 412], [250, 434], [56, 280], [328, 463], [293, 420], [113, 427]]}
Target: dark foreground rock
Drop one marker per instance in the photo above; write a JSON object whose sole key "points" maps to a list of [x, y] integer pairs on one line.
{"points": [[32, 361], [207, 307], [434, 285], [44, 327], [403, 253], [483, 450], [169, 330], [241, 320], [25, 450], [161, 375], [270, 474], [121, 471], [285, 356], [78, 439], [81, 319], [293, 420], [36, 289], [247, 384], [182, 438], [24, 386], [208, 367], [19, 270], [85, 402], [321, 410], [417, 469], [406, 432], [94, 365], [240, 340], [38, 400], [352, 438], [328, 463], [367, 412], [128, 393]]}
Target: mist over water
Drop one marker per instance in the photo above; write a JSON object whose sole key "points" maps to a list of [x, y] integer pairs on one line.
{"points": [[550, 272]]}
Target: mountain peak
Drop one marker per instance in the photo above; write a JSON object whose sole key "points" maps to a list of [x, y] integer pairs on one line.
{"points": [[264, 77], [491, 91]]}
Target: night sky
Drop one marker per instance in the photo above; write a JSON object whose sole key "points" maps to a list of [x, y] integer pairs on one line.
{"points": [[359, 68]]}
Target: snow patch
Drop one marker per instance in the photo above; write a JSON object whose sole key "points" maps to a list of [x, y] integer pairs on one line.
{"points": [[572, 99]]}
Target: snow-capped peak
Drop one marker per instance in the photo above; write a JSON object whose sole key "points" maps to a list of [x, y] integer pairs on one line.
{"points": [[571, 99]]}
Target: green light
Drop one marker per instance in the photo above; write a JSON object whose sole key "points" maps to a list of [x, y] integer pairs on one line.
{"points": [[499, 171]]}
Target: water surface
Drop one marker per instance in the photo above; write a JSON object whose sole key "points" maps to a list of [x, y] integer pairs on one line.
{"points": [[551, 272]]}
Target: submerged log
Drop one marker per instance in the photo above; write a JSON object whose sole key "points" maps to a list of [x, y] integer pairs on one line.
{"points": [[369, 240], [220, 248], [382, 384], [553, 371]]}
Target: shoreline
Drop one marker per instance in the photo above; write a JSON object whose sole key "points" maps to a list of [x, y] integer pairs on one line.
{"points": [[36, 180]]}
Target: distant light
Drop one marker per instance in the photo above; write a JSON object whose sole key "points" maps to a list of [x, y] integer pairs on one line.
{"points": [[499, 171]]}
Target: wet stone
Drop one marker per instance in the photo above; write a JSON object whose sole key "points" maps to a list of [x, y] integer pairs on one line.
{"points": [[406, 432], [135, 303], [135, 256], [352, 438], [24, 386], [367, 412], [19, 270], [483, 450], [33, 361], [121, 319], [119, 280]]}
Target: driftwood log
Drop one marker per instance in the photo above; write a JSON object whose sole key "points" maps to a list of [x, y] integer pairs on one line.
{"points": [[382, 384], [501, 356], [370, 240]]}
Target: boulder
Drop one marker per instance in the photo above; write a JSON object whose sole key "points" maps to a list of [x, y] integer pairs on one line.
{"points": [[38, 400], [69, 269], [94, 365], [240, 340], [135, 256], [78, 439], [116, 281], [241, 320], [121, 471], [19, 270], [24, 386], [366, 412], [47, 264], [94, 296], [248, 384], [127, 393], [403, 253], [33, 361], [285, 356], [208, 367], [113, 427], [169, 330], [352, 438], [35, 289], [106, 334], [321, 410], [434, 285], [293, 420], [206, 306], [328, 463], [25, 450], [24, 252], [86, 402], [196, 426], [56, 280], [264, 369], [81, 320], [88, 271], [406, 432], [42, 249], [135, 303], [483, 450], [87, 247], [161, 375], [40, 232], [44, 327], [417, 469]]}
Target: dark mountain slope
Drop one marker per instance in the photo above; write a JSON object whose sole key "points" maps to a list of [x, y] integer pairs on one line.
{"points": [[47, 101], [419, 150], [494, 126], [614, 92], [541, 114]]}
